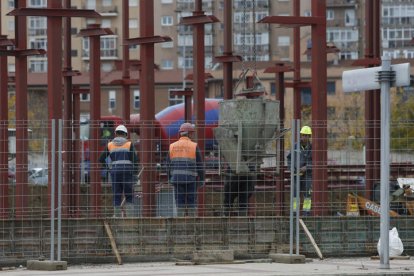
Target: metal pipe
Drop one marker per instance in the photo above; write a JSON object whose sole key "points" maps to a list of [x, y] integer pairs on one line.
{"points": [[59, 230], [385, 79], [297, 184], [52, 193], [280, 96], [292, 185]]}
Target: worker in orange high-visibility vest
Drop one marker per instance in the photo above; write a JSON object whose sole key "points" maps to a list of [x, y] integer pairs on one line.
{"points": [[185, 170], [305, 170], [123, 165]]}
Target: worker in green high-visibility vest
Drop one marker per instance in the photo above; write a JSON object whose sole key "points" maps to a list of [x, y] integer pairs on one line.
{"points": [[305, 170]]}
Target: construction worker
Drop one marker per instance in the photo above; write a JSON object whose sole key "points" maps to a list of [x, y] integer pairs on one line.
{"points": [[184, 166], [305, 170], [123, 165]]}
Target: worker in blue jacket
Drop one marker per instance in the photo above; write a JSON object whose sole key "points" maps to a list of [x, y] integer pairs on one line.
{"points": [[123, 165], [305, 170], [185, 170]]}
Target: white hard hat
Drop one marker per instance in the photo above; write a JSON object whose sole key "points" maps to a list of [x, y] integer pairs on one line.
{"points": [[121, 128]]}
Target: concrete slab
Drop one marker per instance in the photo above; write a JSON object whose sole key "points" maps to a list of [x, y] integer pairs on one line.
{"points": [[47, 265], [287, 258]]}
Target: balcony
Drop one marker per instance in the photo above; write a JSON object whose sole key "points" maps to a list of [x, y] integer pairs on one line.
{"points": [[36, 32], [108, 11], [340, 3]]}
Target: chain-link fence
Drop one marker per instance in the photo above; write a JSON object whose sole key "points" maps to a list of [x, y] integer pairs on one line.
{"points": [[241, 201]]}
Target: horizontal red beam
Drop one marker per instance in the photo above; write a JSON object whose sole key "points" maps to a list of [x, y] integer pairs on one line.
{"points": [[300, 84], [71, 73], [206, 76], [20, 53], [198, 19], [51, 12], [279, 69], [181, 92], [94, 32], [294, 21], [147, 40], [367, 62], [125, 81], [228, 58]]}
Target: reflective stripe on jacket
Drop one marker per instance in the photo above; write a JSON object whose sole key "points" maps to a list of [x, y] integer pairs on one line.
{"points": [[183, 157], [120, 153]]}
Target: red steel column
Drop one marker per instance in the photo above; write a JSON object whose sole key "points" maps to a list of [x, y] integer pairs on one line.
{"points": [[94, 33], [297, 103], [95, 113], [147, 110], [126, 94], [280, 96], [21, 115], [372, 100], [68, 140], [54, 87], [319, 115], [228, 50], [4, 163], [199, 78]]}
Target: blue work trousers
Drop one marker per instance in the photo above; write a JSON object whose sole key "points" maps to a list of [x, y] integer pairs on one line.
{"points": [[185, 191], [122, 182]]}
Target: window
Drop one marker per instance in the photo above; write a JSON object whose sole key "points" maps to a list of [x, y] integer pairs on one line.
{"points": [[85, 97], [38, 43], [167, 20], [136, 99], [331, 88], [90, 4], [112, 99], [11, 68], [106, 23], [133, 23], [11, 4], [349, 17], [283, 41], [37, 4], [169, 44], [330, 14], [108, 46], [187, 62], [10, 25], [175, 99], [133, 3], [106, 3], [37, 25], [38, 66], [306, 95], [167, 64]]}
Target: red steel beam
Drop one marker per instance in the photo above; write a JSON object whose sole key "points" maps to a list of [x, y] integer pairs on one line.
{"points": [[187, 93], [54, 12], [21, 200], [294, 21], [147, 111], [147, 40], [297, 99], [22, 53], [279, 69], [372, 100], [4, 119], [228, 57], [54, 88], [94, 32], [126, 93], [319, 114], [198, 19]]}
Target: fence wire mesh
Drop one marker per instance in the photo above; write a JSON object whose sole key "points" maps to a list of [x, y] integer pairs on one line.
{"points": [[242, 203]]}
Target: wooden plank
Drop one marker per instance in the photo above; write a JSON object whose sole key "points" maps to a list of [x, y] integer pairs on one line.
{"points": [[305, 228], [113, 243]]}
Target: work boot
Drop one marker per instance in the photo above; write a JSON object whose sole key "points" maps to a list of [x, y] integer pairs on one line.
{"points": [[117, 212], [307, 204], [129, 210]]}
